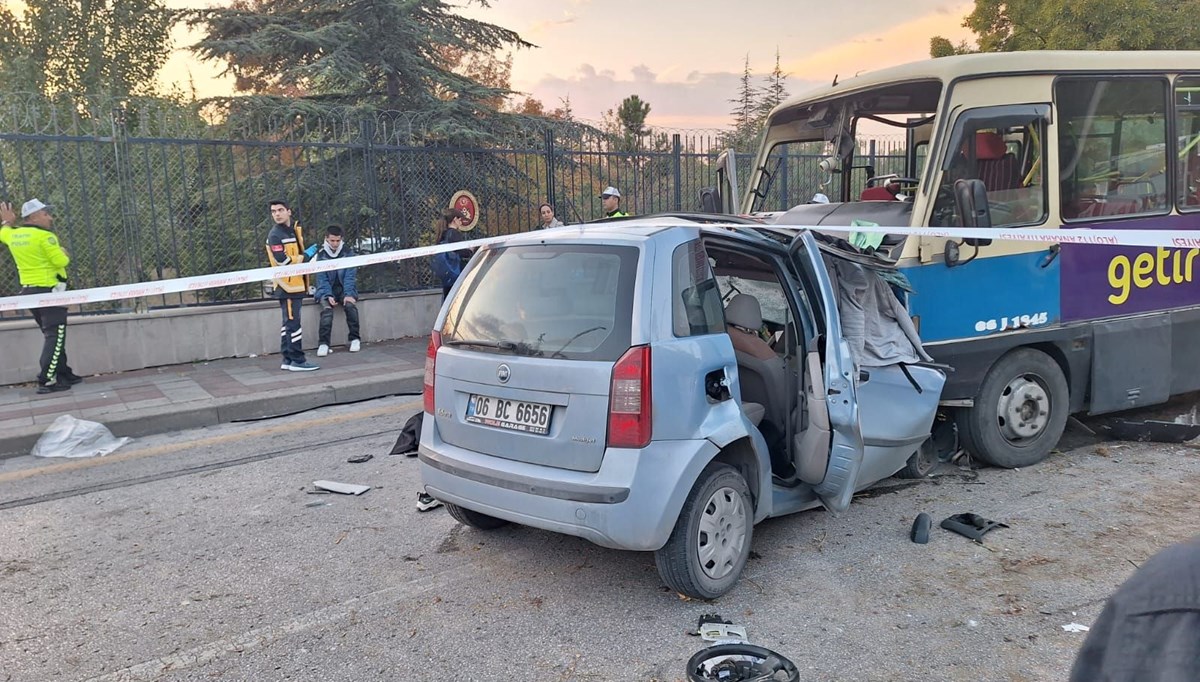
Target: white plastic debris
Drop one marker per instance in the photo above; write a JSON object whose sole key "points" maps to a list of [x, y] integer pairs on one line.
{"points": [[723, 633], [343, 488], [71, 437], [1075, 627]]}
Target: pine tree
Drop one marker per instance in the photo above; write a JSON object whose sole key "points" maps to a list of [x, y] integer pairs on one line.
{"points": [[774, 93], [745, 102], [397, 55]]}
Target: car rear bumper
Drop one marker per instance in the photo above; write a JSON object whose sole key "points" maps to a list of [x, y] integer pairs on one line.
{"points": [[631, 503]]}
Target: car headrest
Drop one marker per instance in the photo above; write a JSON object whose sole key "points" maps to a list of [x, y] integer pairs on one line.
{"points": [[989, 146], [744, 311]]}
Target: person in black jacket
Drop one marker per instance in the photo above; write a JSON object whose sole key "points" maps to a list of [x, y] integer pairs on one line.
{"points": [[1149, 631], [334, 288], [448, 266]]}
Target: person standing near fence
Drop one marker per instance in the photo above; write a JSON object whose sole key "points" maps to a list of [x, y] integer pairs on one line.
{"points": [[334, 288], [42, 267], [610, 201], [546, 213], [447, 266], [285, 246]]}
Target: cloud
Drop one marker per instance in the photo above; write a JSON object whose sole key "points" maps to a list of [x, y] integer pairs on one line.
{"points": [[899, 44], [540, 27], [700, 100]]}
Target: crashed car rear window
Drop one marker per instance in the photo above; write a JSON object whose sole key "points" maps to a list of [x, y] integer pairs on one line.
{"points": [[547, 300]]}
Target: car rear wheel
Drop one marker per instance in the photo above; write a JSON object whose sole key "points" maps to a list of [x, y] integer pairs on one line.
{"points": [[709, 546], [474, 519], [1020, 412]]}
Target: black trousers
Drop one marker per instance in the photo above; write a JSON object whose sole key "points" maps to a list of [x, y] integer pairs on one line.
{"points": [[53, 323], [326, 329], [289, 333]]}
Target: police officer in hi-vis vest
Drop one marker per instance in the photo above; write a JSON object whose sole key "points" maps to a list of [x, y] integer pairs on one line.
{"points": [[42, 266], [285, 246]]}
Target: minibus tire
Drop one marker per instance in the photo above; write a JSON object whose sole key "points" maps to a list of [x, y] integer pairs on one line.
{"points": [[984, 429], [472, 518], [721, 494]]}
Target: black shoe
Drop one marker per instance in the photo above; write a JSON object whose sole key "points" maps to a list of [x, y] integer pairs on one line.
{"points": [[53, 388], [425, 502], [73, 379]]}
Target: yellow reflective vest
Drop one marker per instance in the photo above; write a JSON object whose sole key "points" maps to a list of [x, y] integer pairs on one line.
{"points": [[41, 262]]}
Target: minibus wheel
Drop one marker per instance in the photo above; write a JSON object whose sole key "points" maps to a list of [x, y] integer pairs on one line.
{"points": [[1020, 411], [472, 518], [710, 543]]}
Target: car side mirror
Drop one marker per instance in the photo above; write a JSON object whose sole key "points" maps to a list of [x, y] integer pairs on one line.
{"points": [[710, 199], [970, 199]]}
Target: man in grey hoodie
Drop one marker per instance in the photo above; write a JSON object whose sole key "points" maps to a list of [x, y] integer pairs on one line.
{"points": [[334, 288]]}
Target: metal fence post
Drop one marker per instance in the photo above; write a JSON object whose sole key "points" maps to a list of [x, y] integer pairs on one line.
{"points": [[366, 129], [551, 190], [677, 169], [125, 194]]}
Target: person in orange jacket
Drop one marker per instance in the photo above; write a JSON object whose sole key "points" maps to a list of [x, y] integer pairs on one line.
{"points": [[285, 246]]}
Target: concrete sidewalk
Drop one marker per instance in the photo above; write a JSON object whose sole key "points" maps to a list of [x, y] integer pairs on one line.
{"points": [[176, 397]]}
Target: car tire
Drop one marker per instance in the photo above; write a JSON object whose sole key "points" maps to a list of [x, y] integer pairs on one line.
{"points": [[922, 463], [474, 519], [710, 543], [1020, 412]]}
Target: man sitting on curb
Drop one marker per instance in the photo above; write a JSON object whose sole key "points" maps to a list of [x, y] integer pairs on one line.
{"points": [[336, 287]]}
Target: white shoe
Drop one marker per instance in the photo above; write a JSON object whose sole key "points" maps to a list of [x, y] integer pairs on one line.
{"points": [[355, 346], [322, 351]]}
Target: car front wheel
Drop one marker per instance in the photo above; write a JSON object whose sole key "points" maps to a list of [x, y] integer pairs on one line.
{"points": [[709, 546]]}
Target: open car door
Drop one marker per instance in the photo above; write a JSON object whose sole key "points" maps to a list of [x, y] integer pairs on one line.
{"points": [[831, 434]]}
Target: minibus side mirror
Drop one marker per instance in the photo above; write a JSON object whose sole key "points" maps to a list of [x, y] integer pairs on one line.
{"points": [[970, 198]]}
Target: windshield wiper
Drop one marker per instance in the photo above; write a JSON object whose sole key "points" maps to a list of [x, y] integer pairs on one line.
{"points": [[559, 353], [502, 345], [514, 347]]}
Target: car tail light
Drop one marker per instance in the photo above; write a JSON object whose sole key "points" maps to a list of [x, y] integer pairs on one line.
{"points": [[435, 342], [629, 416]]}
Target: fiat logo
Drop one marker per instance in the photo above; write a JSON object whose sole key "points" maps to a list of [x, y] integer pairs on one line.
{"points": [[503, 373]]}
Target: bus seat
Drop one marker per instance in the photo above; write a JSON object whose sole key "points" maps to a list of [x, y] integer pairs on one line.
{"points": [[998, 169], [884, 192], [877, 194]]}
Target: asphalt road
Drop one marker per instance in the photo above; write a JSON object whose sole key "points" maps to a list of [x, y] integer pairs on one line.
{"points": [[201, 555]]}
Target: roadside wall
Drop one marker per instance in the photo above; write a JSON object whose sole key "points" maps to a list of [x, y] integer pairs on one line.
{"points": [[101, 344]]}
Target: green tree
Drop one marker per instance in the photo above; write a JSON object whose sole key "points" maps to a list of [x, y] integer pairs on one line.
{"points": [[632, 116], [111, 47], [745, 105], [392, 82], [397, 55], [1011, 25], [772, 95], [941, 47]]}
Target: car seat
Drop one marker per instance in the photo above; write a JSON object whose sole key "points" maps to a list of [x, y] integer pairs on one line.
{"points": [[762, 380]]}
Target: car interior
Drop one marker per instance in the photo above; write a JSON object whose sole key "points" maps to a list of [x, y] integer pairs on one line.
{"points": [[774, 362]]}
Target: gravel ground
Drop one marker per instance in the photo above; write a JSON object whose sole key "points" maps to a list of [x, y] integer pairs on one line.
{"points": [[177, 567]]}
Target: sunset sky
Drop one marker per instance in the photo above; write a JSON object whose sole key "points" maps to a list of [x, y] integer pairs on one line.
{"points": [[683, 57]]}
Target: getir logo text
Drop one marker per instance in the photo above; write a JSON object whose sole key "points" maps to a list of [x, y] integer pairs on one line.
{"points": [[1165, 267]]}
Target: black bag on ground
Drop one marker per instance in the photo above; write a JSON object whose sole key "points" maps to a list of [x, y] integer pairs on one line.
{"points": [[410, 437]]}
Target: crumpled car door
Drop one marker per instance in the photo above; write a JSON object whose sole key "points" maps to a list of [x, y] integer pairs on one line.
{"points": [[839, 401]]}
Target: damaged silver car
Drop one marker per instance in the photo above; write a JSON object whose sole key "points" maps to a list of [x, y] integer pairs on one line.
{"points": [[663, 385]]}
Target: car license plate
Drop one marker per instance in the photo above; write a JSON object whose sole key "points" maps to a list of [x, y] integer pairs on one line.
{"points": [[515, 415]]}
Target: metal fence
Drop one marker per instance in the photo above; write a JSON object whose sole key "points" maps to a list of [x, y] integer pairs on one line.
{"points": [[146, 190]]}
